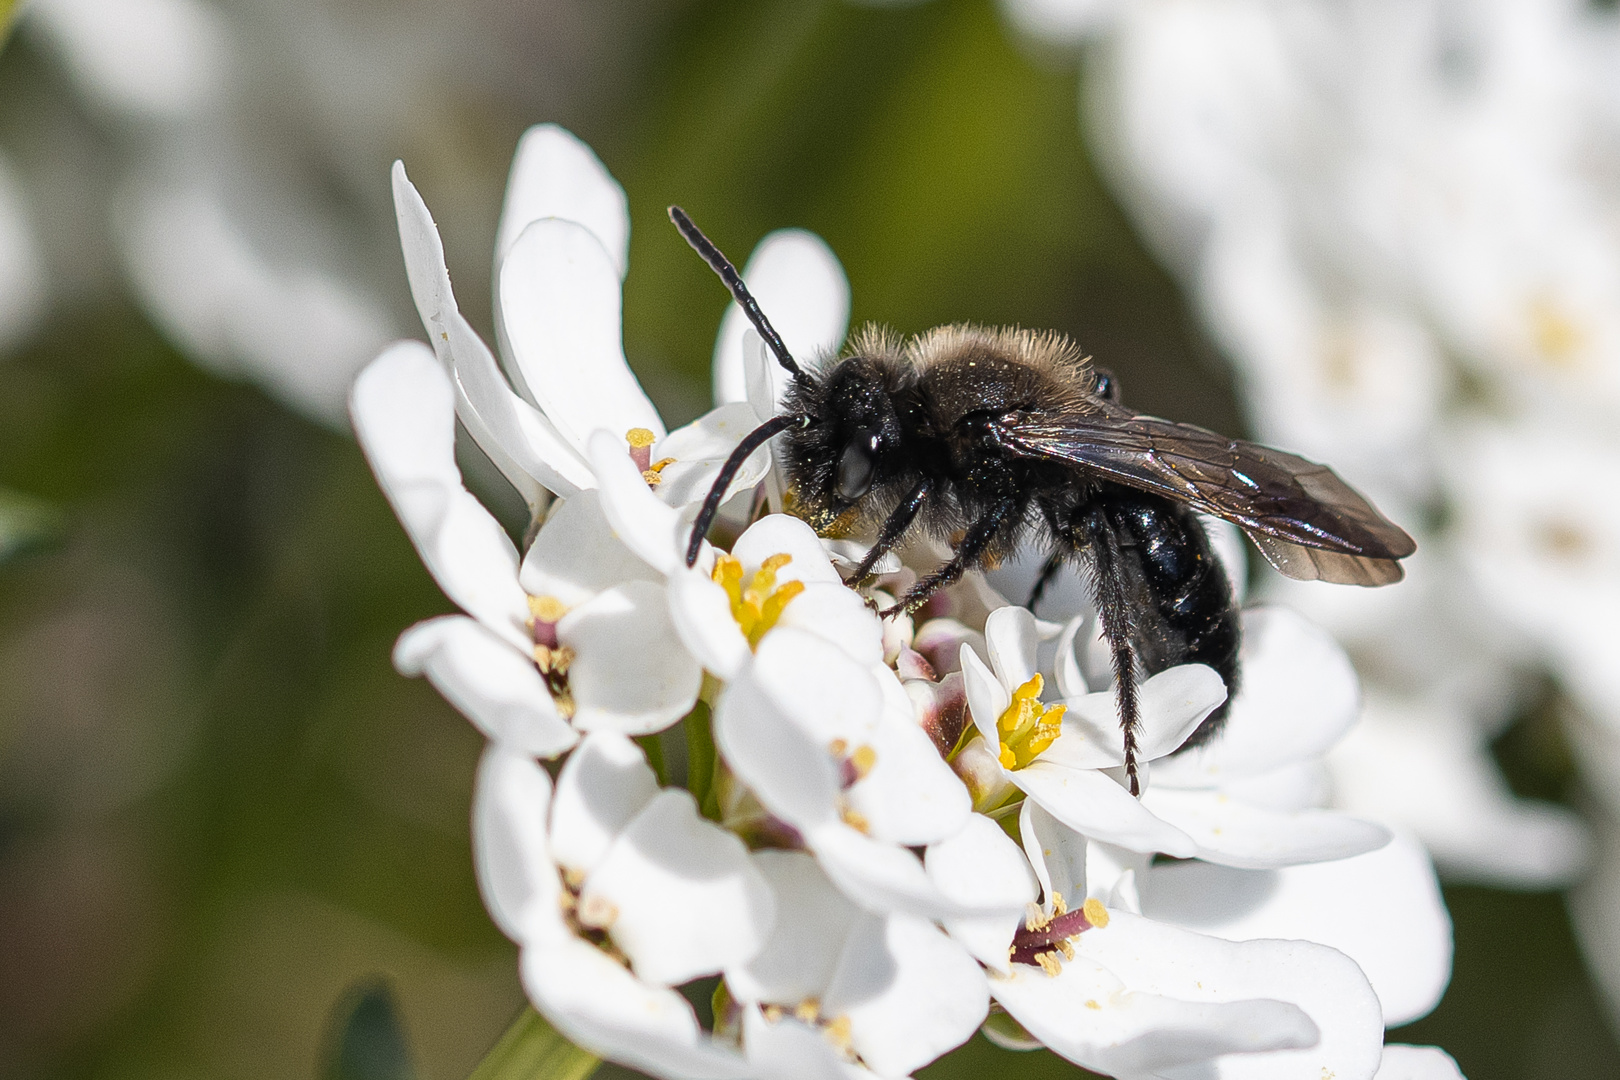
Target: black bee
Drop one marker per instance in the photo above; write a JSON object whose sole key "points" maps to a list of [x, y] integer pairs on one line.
{"points": [[995, 435]]}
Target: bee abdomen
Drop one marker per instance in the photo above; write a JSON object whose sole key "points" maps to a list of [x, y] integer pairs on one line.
{"points": [[1184, 611]]}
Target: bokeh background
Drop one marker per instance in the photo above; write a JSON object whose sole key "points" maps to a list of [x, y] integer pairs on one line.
{"points": [[225, 822]]}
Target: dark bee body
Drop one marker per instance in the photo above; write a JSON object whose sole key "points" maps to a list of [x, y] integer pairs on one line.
{"points": [[928, 413], [1005, 436]]}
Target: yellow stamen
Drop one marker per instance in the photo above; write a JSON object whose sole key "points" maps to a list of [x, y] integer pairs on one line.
{"points": [[759, 604], [855, 819], [808, 1010], [863, 759], [639, 437], [838, 748], [547, 608], [1096, 914], [838, 1032], [1035, 919], [1027, 727], [1049, 964]]}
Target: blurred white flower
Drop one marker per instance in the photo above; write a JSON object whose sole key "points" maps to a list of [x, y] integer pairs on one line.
{"points": [[1360, 199]]}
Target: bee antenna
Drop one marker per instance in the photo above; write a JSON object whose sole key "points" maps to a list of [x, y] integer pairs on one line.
{"points": [[739, 292]]}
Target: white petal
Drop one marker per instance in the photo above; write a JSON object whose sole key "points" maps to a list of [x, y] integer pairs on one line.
{"points": [[1056, 853], [776, 721], [603, 1008], [492, 684], [1090, 802], [1299, 695], [1086, 1014], [701, 448], [684, 897], [577, 554], [630, 673], [1170, 707], [603, 785], [982, 867], [560, 306], [153, 61], [802, 290], [522, 443], [1326, 984], [812, 921], [554, 174], [1382, 909], [785, 1049], [839, 615], [1011, 638], [700, 612], [910, 993], [880, 877], [1071, 681], [1234, 833], [783, 534], [910, 795], [1402, 1062], [644, 524], [987, 698], [404, 415], [510, 852]]}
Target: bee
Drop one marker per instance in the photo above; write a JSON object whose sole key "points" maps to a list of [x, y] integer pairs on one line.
{"points": [[1002, 436]]}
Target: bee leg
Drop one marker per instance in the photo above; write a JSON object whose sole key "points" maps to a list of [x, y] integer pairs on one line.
{"points": [[969, 553], [1054, 563], [1114, 612], [894, 528]]}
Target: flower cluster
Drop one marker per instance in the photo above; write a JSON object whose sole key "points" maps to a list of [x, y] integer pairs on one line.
{"points": [[875, 838], [1398, 219]]}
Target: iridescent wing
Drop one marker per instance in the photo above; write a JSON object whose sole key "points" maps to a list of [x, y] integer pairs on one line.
{"points": [[1306, 521]]}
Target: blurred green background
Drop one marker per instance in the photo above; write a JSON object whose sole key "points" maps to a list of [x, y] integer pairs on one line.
{"points": [[223, 817]]}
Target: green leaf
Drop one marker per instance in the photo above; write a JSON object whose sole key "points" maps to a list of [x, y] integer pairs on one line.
{"points": [[653, 746], [26, 523], [532, 1049], [370, 1040]]}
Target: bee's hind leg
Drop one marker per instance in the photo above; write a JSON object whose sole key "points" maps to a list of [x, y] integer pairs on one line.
{"points": [[1114, 612], [969, 554]]}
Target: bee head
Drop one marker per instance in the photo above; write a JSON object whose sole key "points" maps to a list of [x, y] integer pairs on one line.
{"points": [[851, 446]]}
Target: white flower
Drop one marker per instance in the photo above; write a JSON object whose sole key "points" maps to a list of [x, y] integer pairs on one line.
{"points": [[1130, 996], [616, 891], [1234, 800], [892, 990], [625, 669]]}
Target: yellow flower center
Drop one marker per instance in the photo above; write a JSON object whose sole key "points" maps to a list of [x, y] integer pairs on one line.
{"points": [[757, 603], [1558, 337], [1027, 727]]}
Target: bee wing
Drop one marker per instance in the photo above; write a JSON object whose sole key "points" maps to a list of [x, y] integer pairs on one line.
{"points": [[1306, 521]]}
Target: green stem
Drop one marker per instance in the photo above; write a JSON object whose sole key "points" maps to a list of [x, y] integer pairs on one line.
{"points": [[532, 1049]]}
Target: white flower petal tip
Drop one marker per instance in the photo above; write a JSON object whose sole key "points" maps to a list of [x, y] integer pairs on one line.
{"points": [[560, 307], [492, 684], [641, 521], [555, 175], [1060, 22], [1403, 1062], [801, 286], [602, 1007], [404, 415], [1170, 706], [510, 851]]}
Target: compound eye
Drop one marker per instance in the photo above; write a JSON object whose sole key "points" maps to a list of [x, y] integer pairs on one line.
{"points": [[857, 466]]}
